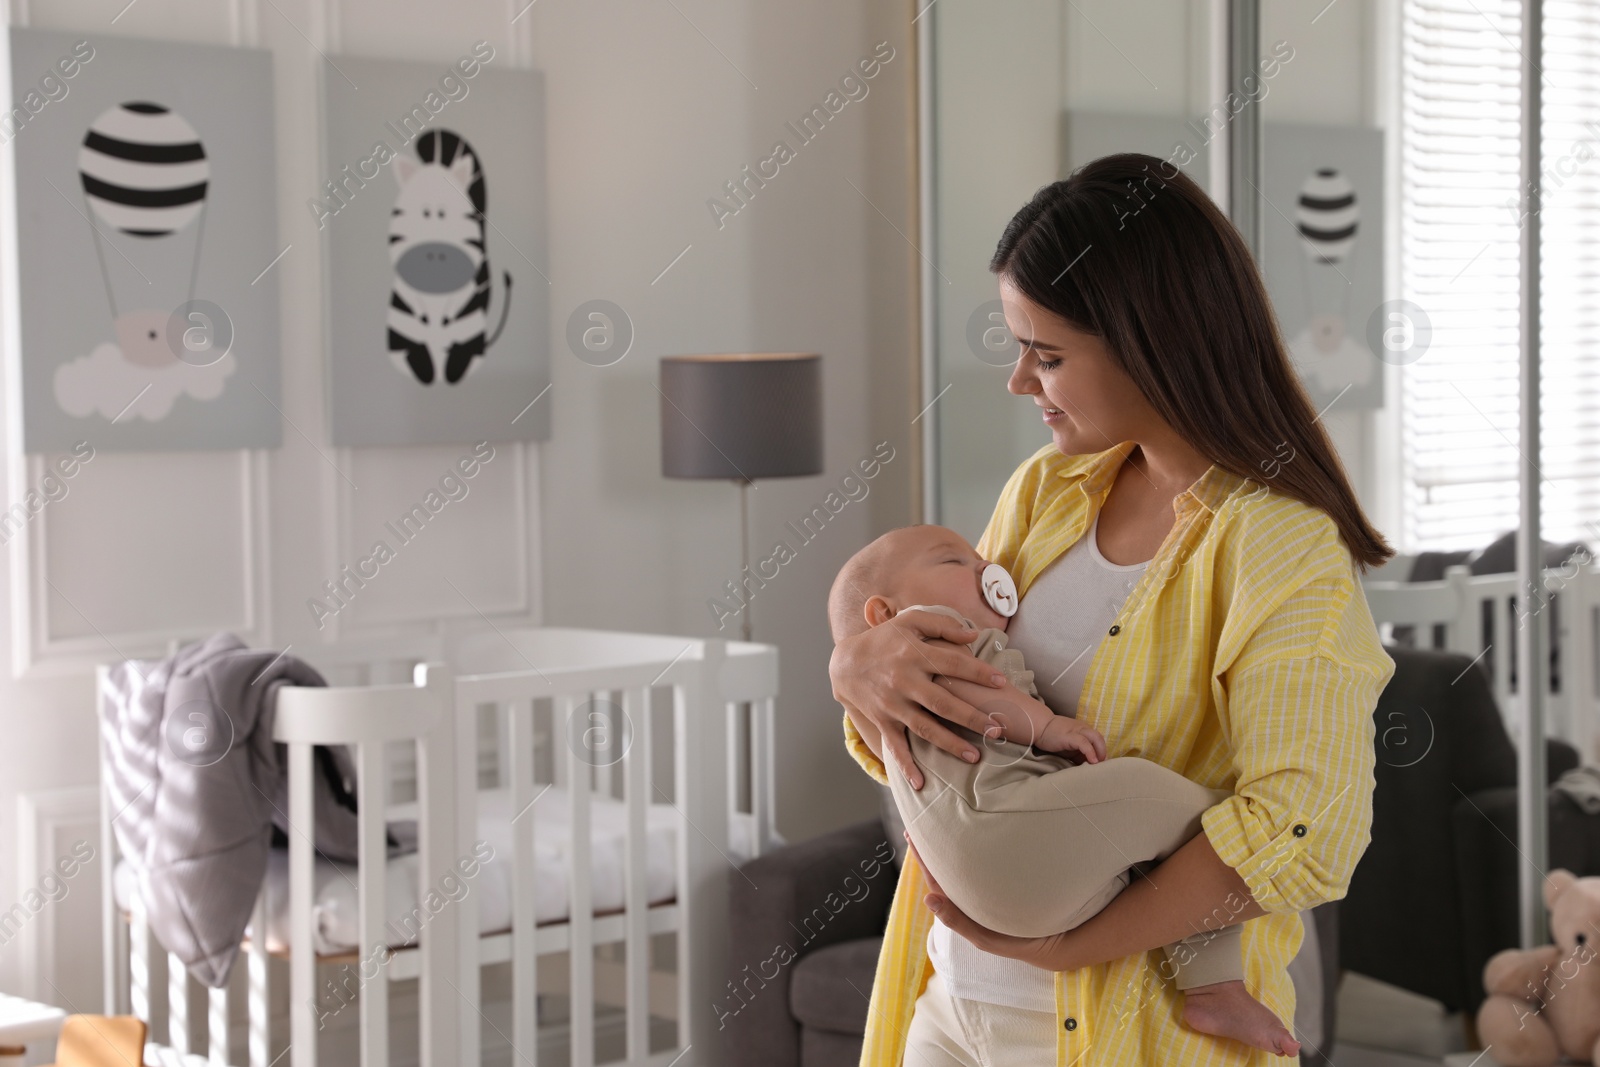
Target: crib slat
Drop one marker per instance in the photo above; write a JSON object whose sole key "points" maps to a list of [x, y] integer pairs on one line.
{"points": [[524, 964], [217, 1025], [702, 806], [502, 744], [601, 756], [259, 1004], [120, 969], [371, 877], [302, 951], [460, 803], [1559, 702], [763, 757], [581, 913], [735, 734], [140, 962], [1504, 622], [636, 766], [559, 740], [177, 1005], [447, 992], [1580, 666], [686, 706], [113, 931], [1464, 633]]}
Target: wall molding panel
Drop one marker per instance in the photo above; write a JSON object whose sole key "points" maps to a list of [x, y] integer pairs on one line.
{"points": [[78, 634], [50, 825]]}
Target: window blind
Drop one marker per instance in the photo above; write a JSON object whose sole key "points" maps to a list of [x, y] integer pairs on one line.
{"points": [[1460, 216]]}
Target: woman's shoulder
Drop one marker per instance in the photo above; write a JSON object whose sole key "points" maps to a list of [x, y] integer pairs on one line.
{"points": [[1267, 543], [1256, 516], [1279, 558]]}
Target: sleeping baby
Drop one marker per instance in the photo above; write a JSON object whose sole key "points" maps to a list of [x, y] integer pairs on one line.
{"points": [[972, 823]]}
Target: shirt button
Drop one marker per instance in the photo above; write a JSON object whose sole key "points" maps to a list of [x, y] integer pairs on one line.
{"points": [[1071, 1024], [1115, 630], [1299, 829]]}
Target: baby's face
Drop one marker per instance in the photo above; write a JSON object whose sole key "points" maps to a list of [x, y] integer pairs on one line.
{"points": [[937, 566]]}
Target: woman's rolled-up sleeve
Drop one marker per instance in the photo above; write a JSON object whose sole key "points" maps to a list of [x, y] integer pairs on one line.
{"points": [[863, 754], [1297, 702]]}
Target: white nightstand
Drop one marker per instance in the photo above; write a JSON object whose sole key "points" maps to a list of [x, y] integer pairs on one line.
{"points": [[23, 1022]]}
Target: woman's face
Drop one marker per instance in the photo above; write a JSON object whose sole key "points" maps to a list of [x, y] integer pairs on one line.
{"points": [[1088, 402]]}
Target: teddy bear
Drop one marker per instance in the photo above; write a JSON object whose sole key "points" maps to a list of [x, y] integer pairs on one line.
{"points": [[1544, 1003]]}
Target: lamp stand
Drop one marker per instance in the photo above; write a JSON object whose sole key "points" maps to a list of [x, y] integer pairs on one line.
{"points": [[744, 718], [744, 550]]}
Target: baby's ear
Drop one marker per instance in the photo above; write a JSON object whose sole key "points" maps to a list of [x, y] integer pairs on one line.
{"points": [[877, 610]]}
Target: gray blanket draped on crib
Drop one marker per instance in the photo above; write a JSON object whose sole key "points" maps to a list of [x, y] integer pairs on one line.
{"points": [[196, 785]]}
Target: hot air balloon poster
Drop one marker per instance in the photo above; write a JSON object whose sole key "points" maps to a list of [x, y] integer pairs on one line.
{"points": [[1322, 254], [145, 216]]}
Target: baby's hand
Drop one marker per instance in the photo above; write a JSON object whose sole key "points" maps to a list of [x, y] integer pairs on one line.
{"points": [[1064, 734]]}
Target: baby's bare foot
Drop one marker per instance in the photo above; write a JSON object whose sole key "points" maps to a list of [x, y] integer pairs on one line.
{"points": [[1227, 1009]]}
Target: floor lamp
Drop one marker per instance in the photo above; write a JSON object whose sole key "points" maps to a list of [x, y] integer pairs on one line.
{"points": [[741, 416]]}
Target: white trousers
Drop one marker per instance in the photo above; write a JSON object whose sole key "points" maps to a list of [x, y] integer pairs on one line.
{"points": [[948, 1031]]}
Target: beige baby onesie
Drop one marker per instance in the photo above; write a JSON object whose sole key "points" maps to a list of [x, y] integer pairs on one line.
{"points": [[1029, 844]]}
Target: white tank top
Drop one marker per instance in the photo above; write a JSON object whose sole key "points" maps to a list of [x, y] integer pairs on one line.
{"points": [[1057, 628]]}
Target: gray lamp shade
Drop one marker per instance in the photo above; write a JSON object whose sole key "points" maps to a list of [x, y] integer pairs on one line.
{"points": [[741, 415]]}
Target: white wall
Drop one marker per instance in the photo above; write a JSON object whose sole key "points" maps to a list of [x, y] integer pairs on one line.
{"points": [[810, 264], [655, 122], [1333, 80], [651, 108], [1005, 75]]}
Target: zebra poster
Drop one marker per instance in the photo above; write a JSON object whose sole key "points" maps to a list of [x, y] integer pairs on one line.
{"points": [[145, 214], [432, 217]]}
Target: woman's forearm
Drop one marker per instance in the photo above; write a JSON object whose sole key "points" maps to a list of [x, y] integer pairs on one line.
{"points": [[1190, 892]]}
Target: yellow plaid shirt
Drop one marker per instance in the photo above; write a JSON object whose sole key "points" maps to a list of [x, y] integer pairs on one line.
{"points": [[1245, 659]]}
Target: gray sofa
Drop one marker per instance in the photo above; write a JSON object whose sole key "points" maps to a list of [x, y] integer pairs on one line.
{"points": [[811, 1010], [806, 922], [1435, 894]]}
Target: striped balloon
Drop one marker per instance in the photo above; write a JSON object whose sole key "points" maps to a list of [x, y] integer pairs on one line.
{"points": [[144, 169], [1327, 216]]}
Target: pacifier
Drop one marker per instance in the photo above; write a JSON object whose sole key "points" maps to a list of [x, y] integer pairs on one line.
{"points": [[999, 590]]}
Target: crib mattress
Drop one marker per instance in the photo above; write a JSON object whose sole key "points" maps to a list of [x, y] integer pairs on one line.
{"points": [[336, 913]]}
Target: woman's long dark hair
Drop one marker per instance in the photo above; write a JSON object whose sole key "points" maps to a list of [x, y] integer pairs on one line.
{"points": [[1131, 250]]}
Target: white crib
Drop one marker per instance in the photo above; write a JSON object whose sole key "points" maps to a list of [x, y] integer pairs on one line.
{"points": [[425, 736], [1481, 615]]}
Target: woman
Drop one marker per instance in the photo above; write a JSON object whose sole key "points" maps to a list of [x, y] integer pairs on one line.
{"points": [[1226, 637]]}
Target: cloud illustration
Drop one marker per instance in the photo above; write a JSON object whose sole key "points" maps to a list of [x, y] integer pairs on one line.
{"points": [[104, 383], [1349, 363]]}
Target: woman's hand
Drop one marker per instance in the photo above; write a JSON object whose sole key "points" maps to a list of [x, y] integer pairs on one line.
{"points": [[1051, 953], [889, 676]]}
